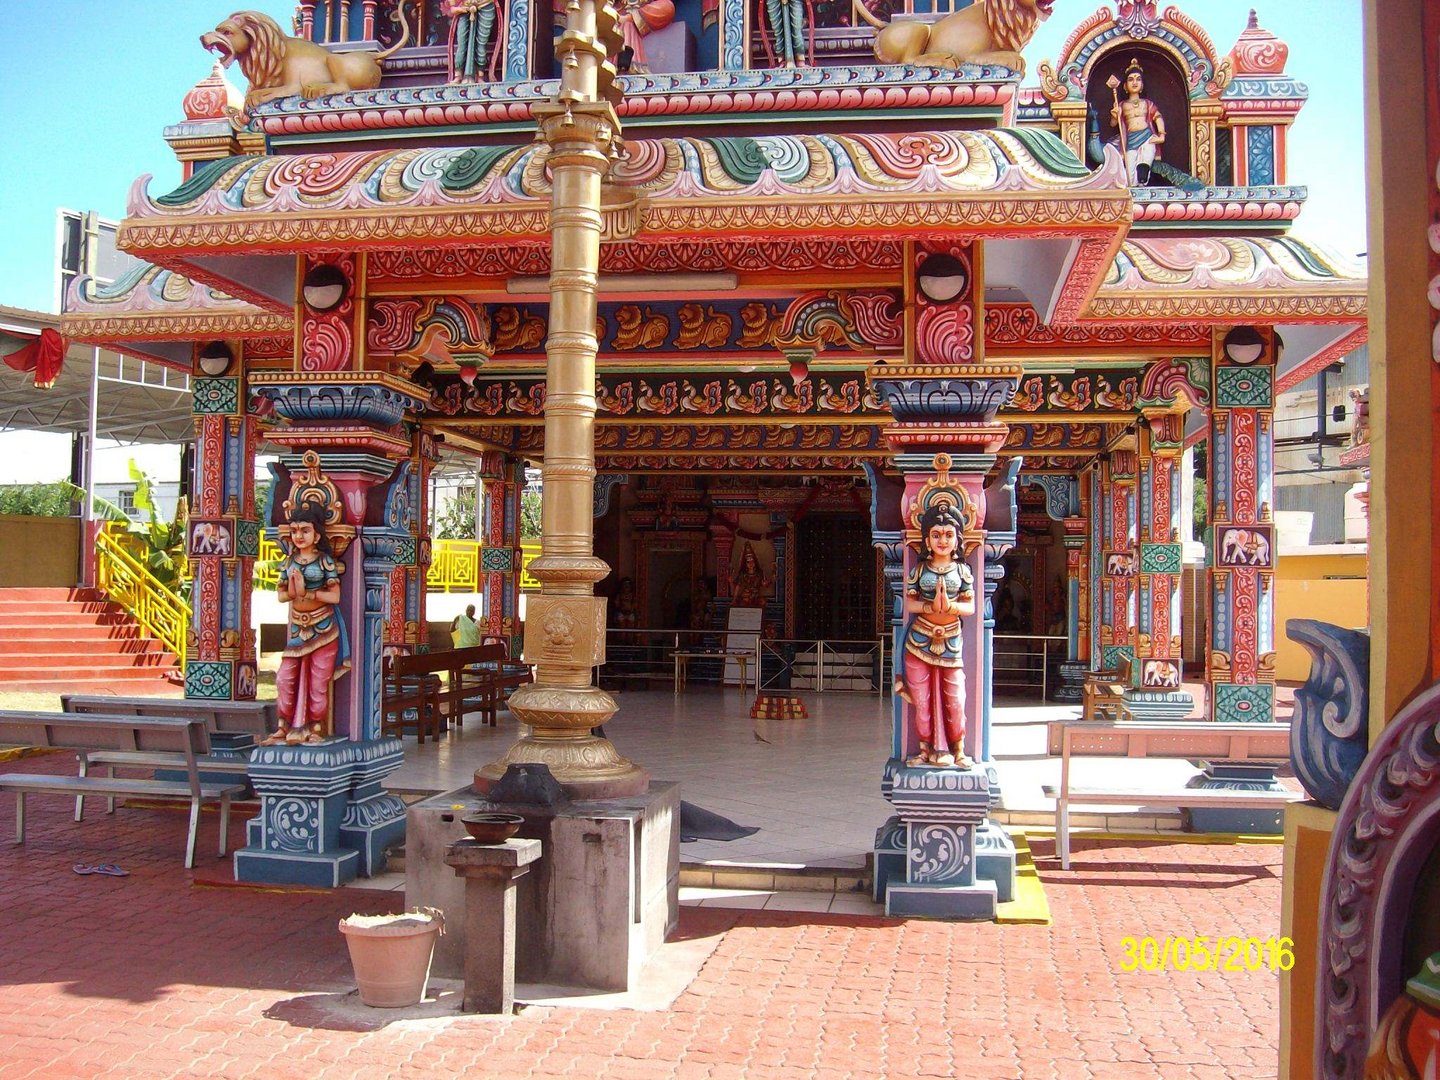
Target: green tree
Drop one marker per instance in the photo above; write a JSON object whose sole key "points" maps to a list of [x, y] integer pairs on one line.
{"points": [[37, 500], [164, 541], [1201, 504], [530, 513]]}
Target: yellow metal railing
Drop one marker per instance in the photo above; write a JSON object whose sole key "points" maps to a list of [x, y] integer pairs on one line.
{"points": [[127, 581], [529, 551], [267, 564], [454, 566]]}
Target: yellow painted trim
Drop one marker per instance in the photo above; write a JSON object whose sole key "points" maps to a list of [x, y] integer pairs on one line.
{"points": [[1030, 905]]}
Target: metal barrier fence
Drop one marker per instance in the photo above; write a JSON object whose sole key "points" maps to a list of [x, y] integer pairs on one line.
{"points": [[1026, 661], [823, 666]]}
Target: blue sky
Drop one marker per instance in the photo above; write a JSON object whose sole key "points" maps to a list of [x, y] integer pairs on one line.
{"points": [[86, 87]]}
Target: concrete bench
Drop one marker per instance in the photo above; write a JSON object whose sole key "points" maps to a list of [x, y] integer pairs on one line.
{"points": [[1190, 741], [149, 740], [226, 718]]}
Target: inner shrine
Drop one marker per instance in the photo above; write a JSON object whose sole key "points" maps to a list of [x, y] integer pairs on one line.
{"points": [[778, 319]]}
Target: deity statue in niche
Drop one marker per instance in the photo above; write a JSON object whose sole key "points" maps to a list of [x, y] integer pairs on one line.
{"points": [[786, 19], [939, 593], [1406, 1044], [749, 587], [472, 24], [1139, 125], [625, 615], [317, 650], [639, 18]]}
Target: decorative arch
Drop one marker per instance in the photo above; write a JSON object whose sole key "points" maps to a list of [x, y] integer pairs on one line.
{"points": [[1174, 33], [1387, 831]]}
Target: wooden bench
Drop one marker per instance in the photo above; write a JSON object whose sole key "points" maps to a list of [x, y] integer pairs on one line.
{"points": [[165, 738], [477, 677], [1188, 740], [1103, 696]]}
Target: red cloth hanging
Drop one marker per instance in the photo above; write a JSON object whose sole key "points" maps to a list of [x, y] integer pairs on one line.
{"points": [[44, 356]]}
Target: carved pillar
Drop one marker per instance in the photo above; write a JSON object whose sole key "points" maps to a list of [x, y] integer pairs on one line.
{"points": [[1204, 115], [1240, 557], [504, 482], [1241, 549], [406, 510], [1155, 692], [324, 815], [223, 534], [565, 625], [734, 30], [1117, 583], [519, 43], [1070, 115], [945, 436], [1094, 485], [1002, 524]]}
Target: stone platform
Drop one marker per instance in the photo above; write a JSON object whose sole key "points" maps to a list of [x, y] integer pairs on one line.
{"points": [[598, 903]]}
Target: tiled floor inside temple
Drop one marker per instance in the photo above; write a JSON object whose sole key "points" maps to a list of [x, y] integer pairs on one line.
{"points": [[812, 786]]}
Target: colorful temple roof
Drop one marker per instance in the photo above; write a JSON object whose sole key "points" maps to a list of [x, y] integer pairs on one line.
{"points": [[1230, 279], [972, 181]]}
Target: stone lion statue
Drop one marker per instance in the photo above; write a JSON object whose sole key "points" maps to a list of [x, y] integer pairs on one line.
{"points": [[278, 65], [986, 32]]}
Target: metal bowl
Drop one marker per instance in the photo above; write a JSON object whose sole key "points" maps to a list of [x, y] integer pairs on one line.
{"points": [[492, 828]]}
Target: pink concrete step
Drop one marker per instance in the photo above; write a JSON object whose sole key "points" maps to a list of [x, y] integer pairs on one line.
{"points": [[40, 608], [49, 667], [69, 635], [66, 649], [31, 595], [141, 681], [66, 618]]}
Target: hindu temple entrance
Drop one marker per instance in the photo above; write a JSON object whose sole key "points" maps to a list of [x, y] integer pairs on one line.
{"points": [[835, 579]]}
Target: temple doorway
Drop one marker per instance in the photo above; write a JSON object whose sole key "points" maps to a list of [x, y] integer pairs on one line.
{"points": [[835, 578]]}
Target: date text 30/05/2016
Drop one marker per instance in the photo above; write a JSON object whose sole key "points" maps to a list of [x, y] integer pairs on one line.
{"points": [[1207, 954]]}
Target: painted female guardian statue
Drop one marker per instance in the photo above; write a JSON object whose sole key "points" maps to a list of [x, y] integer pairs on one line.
{"points": [[317, 650], [939, 593]]}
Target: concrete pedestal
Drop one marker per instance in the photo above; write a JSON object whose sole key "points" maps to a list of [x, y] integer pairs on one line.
{"points": [[490, 872], [939, 856], [324, 817], [1150, 706], [1071, 687], [591, 911], [1236, 776]]}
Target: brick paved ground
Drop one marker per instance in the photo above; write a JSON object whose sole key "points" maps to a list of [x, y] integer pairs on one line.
{"points": [[150, 976]]}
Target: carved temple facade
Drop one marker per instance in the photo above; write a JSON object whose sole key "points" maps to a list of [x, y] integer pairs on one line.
{"points": [[868, 252], [818, 273]]}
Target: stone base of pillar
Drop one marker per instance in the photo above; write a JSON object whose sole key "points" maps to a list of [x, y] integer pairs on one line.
{"points": [[593, 909], [1233, 703], [1071, 686], [587, 768], [995, 859], [1148, 706], [324, 818], [928, 858], [1235, 776], [223, 746]]}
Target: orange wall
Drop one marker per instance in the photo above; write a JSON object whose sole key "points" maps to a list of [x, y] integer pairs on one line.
{"points": [[40, 552], [1329, 588]]}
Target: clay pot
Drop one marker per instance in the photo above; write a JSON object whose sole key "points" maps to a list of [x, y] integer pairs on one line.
{"points": [[492, 828], [391, 955]]}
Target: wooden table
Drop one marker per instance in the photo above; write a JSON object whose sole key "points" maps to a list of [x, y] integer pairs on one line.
{"points": [[683, 658]]}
